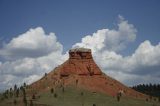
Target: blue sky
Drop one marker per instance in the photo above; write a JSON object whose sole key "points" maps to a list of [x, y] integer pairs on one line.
{"points": [[123, 35], [76, 18]]}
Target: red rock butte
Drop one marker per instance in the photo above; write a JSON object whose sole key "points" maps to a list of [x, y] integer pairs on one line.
{"points": [[80, 63], [82, 72]]}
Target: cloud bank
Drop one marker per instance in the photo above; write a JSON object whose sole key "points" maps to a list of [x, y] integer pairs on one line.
{"points": [[28, 56]]}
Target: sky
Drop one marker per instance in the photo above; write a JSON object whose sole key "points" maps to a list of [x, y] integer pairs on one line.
{"points": [[35, 36]]}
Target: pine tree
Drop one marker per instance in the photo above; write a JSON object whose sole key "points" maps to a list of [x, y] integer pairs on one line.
{"points": [[24, 85], [17, 92], [15, 87], [11, 92], [24, 96]]}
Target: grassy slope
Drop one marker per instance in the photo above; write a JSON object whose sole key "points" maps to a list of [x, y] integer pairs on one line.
{"points": [[72, 97]]}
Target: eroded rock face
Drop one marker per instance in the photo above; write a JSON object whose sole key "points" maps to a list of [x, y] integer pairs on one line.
{"points": [[80, 62]]}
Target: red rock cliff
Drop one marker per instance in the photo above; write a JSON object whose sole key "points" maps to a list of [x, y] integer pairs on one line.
{"points": [[80, 62]]}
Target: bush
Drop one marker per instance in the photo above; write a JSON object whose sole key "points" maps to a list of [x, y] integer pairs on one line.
{"points": [[147, 99], [55, 95], [82, 93], [33, 96], [52, 90], [63, 89], [118, 97], [94, 104], [15, 101]]}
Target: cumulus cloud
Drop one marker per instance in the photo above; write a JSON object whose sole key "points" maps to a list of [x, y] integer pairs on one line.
{"points": [[142, 66], [33, 43], [110, 39]]}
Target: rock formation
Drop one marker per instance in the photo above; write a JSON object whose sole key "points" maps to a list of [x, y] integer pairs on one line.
{"points": [[82, 72], [80, 63]]}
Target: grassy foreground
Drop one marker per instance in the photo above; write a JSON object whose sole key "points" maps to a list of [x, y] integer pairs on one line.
{"points": [[73, 97]]}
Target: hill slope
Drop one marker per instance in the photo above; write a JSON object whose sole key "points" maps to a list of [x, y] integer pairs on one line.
{"points": [[81, 71], [75, 97]]}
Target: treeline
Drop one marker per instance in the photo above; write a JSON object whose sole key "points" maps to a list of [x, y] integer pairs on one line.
{"points": [[15, 93], [149, 89]]}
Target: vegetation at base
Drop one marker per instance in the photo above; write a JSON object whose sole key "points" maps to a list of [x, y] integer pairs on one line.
{"points": [[149, 89], [72, 97], [75, 97]]}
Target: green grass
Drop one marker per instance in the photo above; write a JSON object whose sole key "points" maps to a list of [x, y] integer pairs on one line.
{"points": [[73, 97]]}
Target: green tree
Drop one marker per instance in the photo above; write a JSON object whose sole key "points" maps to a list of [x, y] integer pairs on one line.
{"points": [[55, 95], [24, 96], [24, 84], [76, 82], [45, 75], [15, 87], [94, 104], [118, 97], [17, 92], [5, 94], [11, 92], [63, 89]]}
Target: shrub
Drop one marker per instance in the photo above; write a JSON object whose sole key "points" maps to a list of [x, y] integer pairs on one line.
{"points": [[63, 89], [94, 104], [118, 97], [15, 101], [17, 92], [52, 90], [76, 81], [33, 96], [55, 95], [147, 99], [82, 93]]}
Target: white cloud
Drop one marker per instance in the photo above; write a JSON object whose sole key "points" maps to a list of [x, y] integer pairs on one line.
{"points": [[111, 40], [33, 43], [141, 67]]}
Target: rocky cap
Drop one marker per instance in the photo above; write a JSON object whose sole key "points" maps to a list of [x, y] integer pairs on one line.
{"points": [[80, 50]]}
